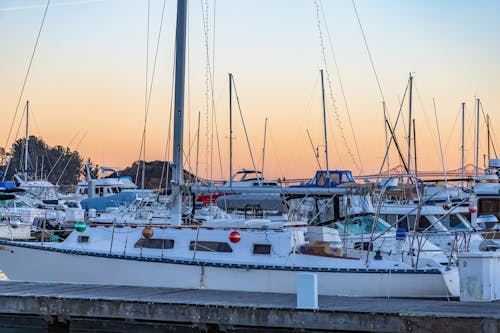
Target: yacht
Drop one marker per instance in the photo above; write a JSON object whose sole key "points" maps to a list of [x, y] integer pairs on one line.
{"points": [[240, 255]]}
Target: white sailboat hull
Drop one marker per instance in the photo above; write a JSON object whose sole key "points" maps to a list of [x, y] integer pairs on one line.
{"points": [[31, 263]]}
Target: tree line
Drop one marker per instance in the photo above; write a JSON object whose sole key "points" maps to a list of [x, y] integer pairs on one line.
{"points": [[62, 166], [59, 165]]}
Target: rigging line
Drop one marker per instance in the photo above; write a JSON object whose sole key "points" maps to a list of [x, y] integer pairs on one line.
{"points": [[167, 146], [210, 92], [208, 137], [141, 149], [15, 139], [33, 117], [150, 90], [452, 129], [341, 84], [441, 149], [28, 72], [428, 121], [70, 158], [60, 156], [243, 123], [426, 115], [314, 150], [336, 146], [330, 84], [491, 130], [302, 121], [368, 51], [213, 88], [393, 137], [188, 84], [273, 144]]}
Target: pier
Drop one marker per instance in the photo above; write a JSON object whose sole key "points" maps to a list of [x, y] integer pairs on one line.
{"points": [[51, 307]]}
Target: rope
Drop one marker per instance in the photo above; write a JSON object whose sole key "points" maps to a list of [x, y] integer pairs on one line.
{"points": [[244, 126], [143, 143], [149, 91], [341, 85], [368, 51], [209, 93], [491, 129], [28, 71], [330, 90]]}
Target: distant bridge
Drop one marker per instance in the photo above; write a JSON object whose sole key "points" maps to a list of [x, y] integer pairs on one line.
{"points": [[469, 173]]}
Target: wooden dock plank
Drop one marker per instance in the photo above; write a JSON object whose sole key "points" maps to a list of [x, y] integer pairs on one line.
{"points": [[227, 309]]}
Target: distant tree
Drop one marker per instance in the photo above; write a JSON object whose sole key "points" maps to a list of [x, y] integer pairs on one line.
{"points": [[4, 157], [57, 164]]}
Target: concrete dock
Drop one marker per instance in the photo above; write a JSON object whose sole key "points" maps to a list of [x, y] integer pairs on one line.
{"points": [[50, 307]]}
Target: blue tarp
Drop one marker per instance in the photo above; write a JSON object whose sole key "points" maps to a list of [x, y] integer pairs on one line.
{"points": [[100, 204], [7, 185]]}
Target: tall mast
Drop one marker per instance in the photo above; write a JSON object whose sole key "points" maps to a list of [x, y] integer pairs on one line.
{"points": [[264, 148], [386, 139], [26, 143], [324, 125], [410, 117], [180, 72], [415, 146], [488, 130], [476, 146], [230, 129], [463, 143], [197, 146]]}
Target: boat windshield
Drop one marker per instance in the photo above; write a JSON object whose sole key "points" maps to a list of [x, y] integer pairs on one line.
{"points": [[363, 224], [455, 221], [13, 204]]}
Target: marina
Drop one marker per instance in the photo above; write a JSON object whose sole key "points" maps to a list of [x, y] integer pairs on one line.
{"points": [[164, 246], [105, 308]]}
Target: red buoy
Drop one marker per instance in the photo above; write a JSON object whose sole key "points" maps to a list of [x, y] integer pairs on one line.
{"points": [[472, 209], [234, 237], [446, 207], [147, 232]]}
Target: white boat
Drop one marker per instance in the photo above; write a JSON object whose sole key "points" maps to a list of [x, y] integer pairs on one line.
{"points": [[103, 186], [448, 227], [13, 228], [255, 256]]}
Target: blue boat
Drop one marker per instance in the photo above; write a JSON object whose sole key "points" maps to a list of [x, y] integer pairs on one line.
{"points": [[329, 178]]}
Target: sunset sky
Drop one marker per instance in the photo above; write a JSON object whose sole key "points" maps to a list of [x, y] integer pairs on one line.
{"points": [[88, 79]]}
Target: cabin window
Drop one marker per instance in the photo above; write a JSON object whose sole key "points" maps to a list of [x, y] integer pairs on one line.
{"points": [[454, 222], [254, 212], [82, 239], [488, 206], [261, 249], [210, 246], [155, 243]]}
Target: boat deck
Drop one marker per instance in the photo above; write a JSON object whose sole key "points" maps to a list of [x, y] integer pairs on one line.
{"points": [[105, 308]]}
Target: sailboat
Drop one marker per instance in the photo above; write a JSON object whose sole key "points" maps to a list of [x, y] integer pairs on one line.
{"points": [[244, 255]]}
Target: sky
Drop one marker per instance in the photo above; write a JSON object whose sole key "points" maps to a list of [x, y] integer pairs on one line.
{"points": [[87, 82]]}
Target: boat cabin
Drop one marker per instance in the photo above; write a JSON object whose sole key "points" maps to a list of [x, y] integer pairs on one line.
{"points": [[330, 178]]}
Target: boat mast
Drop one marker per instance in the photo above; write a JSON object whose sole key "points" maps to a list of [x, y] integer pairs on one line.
{"points": [[387, 143], [488, 131], [26, 143], [198, 147], [324, 125], [264, 148], [180, 67], [415, 146], [230, 129], [476, 146], [410, 104], [463, 141]]}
